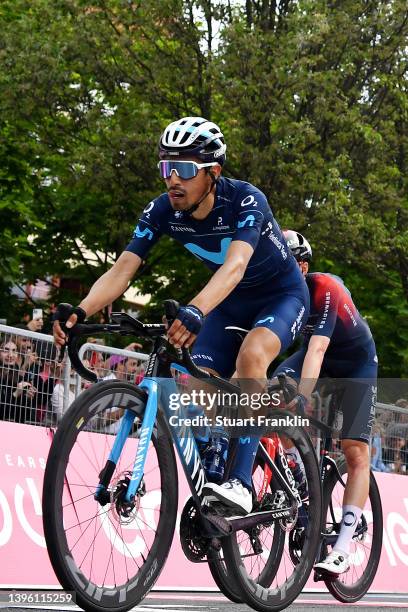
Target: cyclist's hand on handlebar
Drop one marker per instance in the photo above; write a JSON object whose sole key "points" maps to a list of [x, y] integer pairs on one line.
{"points": [[186, 326], [68, 316], [298, 404]]}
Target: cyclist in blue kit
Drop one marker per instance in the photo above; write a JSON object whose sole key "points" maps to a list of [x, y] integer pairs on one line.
{"points": [[338, 344], [256, 283]]}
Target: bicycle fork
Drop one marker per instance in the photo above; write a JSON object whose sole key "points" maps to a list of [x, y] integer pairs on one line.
{"points": [[102, 494]]}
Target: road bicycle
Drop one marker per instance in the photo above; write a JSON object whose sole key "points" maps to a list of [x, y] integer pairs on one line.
{"points": [[110, 491], [367, 540], [366, 544]]}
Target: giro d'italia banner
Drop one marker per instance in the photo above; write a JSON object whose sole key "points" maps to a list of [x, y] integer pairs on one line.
{"points": [[23, 555]]}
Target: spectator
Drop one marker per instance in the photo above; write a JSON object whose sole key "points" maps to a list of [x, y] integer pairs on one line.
{"points": [[377, 463], [36, 323], [16, 394], [124, 368], [95, 341], [399, 425], [402, 403], [396, 455], [44, 378], [26, 352], [133, 346], [57, 399], [97, 364]]}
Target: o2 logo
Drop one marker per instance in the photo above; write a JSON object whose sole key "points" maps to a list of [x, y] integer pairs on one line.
{"points": [[148, 208], [248, 201]]}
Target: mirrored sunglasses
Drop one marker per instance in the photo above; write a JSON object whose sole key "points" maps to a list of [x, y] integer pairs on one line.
{"points": [[184, 169]]}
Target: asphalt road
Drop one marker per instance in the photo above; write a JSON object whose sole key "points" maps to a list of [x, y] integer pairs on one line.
{"points": [[215, 602]]}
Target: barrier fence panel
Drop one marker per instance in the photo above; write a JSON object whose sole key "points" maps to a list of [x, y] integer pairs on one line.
{"points": [[29, 372], [389, 440], [37, 390]]}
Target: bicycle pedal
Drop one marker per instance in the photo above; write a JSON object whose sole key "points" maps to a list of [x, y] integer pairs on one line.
{"points": [[220, 522], [325, 575], [317, 576], [220, 509]]}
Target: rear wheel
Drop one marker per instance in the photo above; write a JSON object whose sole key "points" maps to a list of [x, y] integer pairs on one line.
{"points": [[273, 579], [225, 580], [111, 554], [366, 545]]}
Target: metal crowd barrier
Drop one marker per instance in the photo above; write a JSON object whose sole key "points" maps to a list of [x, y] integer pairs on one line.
{"points": [[36, 389], [390, 439]]}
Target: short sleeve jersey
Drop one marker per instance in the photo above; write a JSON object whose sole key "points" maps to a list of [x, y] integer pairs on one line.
{"points": [[333, 313], [240, 212]]}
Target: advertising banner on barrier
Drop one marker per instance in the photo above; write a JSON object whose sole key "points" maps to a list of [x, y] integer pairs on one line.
{"points": [[23, 556]]}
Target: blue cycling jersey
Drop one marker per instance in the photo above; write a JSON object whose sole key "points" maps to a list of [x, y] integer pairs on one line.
{"points": [[240, 212]]}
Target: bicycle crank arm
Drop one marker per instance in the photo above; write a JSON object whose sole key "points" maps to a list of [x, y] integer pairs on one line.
{"points": [[259, 518], [220, 522], [227, 526]]}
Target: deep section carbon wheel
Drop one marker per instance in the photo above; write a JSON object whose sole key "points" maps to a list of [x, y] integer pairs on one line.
{"points": [[110, 552]]}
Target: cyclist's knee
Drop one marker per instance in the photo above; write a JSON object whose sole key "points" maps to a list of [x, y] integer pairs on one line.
{"points": [[259, 348], [357, 455], [251, 362]]}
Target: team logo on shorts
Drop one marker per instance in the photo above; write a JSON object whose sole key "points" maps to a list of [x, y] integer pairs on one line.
{"points": [[267, 320]]}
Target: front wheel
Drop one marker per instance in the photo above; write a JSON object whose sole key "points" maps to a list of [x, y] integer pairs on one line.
{"points": [[111, 554], [366, 545]]}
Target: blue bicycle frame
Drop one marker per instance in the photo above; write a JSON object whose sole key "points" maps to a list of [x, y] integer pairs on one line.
{"points": [[158, 391]]}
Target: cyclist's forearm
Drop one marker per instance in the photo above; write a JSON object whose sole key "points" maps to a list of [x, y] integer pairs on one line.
{"points": [[104, 291], [111, 285], [218, 287], [312, 363], [226, 278], [310, 371]]}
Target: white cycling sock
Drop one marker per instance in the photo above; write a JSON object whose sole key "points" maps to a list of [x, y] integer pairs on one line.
{"points": [[351, 516]]}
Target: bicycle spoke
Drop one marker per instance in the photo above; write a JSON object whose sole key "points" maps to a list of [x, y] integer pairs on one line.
{"points": [[91, 528]]}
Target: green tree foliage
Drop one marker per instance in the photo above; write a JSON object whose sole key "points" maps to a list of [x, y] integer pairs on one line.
{"points": [[20, 182], [312, 97], [321, 118]]}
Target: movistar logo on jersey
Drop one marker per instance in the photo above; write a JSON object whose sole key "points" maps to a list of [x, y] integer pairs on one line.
{"points": [[249, 220], [146, 233], [217, 257], [267, 320]]}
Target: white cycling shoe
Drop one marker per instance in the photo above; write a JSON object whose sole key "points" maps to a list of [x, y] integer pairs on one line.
{"points": [[231, 493], [335, 563]]}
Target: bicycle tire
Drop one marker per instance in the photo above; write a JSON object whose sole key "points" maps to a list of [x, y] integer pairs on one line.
{"points": [[225, 580], [265, 596], [81, 425], [350, 593]]}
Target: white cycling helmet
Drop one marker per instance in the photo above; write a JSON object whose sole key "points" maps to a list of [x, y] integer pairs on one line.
{"points": [[298, 244], [193, 136]]}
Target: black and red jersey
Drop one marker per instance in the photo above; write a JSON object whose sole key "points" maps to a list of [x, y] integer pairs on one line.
{"points": [[333, 313]]}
